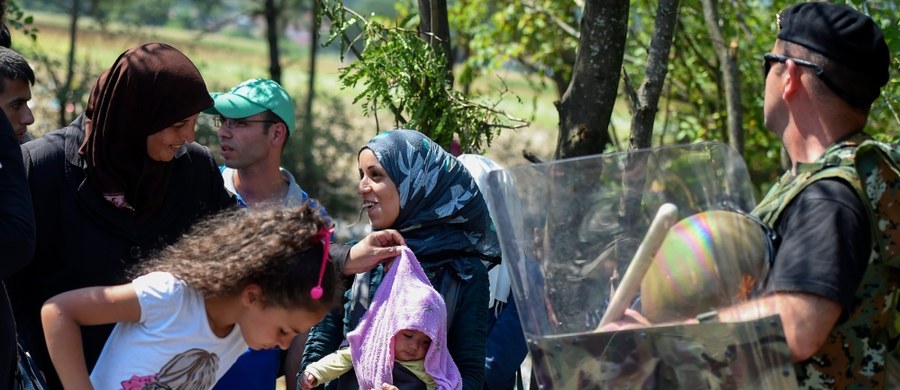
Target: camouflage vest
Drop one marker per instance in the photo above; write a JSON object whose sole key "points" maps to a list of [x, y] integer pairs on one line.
{"points": [[856, 350]]}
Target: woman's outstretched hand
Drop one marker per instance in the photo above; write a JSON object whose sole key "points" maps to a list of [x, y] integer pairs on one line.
{"points": [[375, 248], [631, 319]]}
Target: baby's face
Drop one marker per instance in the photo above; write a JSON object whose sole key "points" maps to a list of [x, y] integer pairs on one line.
{"points": [[410, 345]]}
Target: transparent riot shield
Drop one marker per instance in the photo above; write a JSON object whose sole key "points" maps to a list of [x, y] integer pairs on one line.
{"points": [[662, 233]]}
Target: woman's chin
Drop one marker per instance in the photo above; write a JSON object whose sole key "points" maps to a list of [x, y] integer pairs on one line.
{"points": [[374, 221], [379, 220]]}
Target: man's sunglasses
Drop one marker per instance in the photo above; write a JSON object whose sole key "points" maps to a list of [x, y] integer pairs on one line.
{"points": [[768, 58], [232, 123]]}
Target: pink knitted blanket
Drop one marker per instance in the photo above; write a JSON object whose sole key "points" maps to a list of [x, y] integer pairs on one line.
{"points": [[404, 300]]}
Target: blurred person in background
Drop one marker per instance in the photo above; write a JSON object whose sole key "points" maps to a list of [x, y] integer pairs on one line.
{"points": [[16, 79], [506, 347]]}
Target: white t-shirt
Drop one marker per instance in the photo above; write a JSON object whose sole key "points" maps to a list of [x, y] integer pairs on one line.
{"points": [[171, 345]]}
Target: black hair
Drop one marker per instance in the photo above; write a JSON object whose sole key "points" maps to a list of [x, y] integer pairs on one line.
{"points": [[13, 67]]}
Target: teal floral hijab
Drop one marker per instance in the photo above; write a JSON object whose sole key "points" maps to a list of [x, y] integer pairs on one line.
{"points": [[441, 208]]}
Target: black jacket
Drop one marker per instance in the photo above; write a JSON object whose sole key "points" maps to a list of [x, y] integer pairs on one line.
{"points": [[17, 237], [83, 240]]}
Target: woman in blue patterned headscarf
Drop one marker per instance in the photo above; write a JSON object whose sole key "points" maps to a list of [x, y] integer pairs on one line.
{"points": [[410, 184], [441, 208]]}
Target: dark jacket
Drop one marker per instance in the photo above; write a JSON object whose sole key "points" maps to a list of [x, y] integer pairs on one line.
{"points": [[467, 329], [83, 240], [17, 237], [506, 348]]}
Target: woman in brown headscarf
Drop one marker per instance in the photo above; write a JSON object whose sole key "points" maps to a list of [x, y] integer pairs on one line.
{"points": [[140, 113], [122, 181]]}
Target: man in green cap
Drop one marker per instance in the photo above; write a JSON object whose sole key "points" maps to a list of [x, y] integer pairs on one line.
{"points": [[255, 120]]}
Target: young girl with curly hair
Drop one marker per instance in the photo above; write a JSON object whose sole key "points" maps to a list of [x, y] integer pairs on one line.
{"points": [[245, 278]]}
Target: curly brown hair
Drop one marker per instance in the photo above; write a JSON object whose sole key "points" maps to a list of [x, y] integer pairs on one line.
{"points": [[279, 249]]}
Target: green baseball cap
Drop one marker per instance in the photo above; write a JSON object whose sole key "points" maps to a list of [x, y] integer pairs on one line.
{"points": [[253, 97]]}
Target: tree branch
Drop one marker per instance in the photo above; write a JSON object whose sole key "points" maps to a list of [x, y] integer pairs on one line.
{"points": [[730, 76], [654, 78], [352, 47], [565, 27], [531, 157]]}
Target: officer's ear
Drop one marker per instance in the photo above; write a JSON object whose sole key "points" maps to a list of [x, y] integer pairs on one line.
{"points": [[791, 79]]}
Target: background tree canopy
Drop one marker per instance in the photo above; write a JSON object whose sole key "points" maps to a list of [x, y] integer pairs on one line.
{"points": [[522, 71]]}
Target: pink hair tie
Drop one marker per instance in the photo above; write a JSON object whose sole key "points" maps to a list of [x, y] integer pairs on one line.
{"points": [[325, 234]]}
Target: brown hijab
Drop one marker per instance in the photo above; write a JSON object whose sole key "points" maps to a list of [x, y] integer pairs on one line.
{"points": [[147, 89]]}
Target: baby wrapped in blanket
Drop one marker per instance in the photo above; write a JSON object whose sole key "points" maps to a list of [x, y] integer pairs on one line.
{"points": [[406, 322]]}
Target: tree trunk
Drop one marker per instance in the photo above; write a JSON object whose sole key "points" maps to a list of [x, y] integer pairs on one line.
{"points": [[271, 14], [584, 113], [311, 85], [440, 27], [730, 75], [465, 51], [647, 102], [586, 107], [560, 83], [62, 95], [310, 175], [434, 28], [425, 20]]}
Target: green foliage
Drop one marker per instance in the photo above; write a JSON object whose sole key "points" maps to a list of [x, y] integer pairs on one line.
{"points": [[398, 71], [884, 119], [385, 8], [334, 144], [50, 83], [17, 18], [140, 12], [183, 17], [693, 105], [536, 35]]}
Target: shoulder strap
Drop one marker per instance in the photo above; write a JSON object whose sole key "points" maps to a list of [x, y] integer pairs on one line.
{"points": [[836, 162], [878, 167], [872, 168]]}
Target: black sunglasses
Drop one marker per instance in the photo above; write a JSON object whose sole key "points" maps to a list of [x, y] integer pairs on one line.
{"points": [[768, 58]]}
